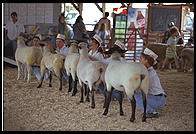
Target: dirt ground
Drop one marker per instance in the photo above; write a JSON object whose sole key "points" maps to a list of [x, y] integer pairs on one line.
{"points": [[25, 107]]}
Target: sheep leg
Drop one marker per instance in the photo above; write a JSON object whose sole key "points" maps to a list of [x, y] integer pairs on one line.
{"points": [[50, 79], [42, 76], [85, 89], [144, 103], [25, 72], [70, 83], [133, 105], [87, 93], [108, 102], [82, 90], [60, 81], [29, 72], [75, 88], [104, 105], [19, 69], [93, 100], [120, 103]]}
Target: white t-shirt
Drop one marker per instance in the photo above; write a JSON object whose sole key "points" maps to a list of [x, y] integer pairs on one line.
{"points": [[96, 55], [14, 29], [155, 87], [64, 50]]}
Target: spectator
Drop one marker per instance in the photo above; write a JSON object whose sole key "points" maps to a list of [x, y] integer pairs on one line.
{"points": [[13, 29], [107, 22], [156, 97], [95, 30], [62, 48], [62, 28], [167, 34], [171, 49], [189, 44], [103, 33], [80, 32]]}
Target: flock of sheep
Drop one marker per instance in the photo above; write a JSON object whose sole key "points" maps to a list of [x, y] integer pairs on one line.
{"points": [[123, 76]]}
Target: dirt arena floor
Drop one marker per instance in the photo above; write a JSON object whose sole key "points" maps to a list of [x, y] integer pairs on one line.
{"points": [[25, 107]]}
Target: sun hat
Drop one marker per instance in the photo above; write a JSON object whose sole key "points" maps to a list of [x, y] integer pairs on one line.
{"points": [[60, 36], [98, 39], [115, 48]]}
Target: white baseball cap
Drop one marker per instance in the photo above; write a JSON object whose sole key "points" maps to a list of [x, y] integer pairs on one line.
{"points": [[60, 36], [97, 38], [149, 52], [120, 44]]}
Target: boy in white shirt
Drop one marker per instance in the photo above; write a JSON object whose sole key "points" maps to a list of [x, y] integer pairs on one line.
{"points": [[156, 97]]}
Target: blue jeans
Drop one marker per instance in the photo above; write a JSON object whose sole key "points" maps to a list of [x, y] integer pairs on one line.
{"points": [[13, 43], [115, 93], [37, 74], [53, 41], [153, 102]]}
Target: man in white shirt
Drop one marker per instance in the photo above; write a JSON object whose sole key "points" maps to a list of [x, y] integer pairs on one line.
{"points": [[61, 46], [13, 29], [107, 22]]}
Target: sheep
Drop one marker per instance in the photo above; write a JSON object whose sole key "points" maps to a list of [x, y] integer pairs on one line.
{"points": [[70, 65], [28, 56], [89, 72], [187, 55], [54, 63], [129, 77]]}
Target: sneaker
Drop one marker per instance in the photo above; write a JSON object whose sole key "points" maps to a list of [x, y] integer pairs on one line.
{"points": [[152, 115]]}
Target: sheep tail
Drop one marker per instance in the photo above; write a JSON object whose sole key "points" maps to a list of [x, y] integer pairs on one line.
{"points": [[101, 76]]}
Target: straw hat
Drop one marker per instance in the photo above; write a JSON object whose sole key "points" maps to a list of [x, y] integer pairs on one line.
{"points": [[97, 38], [60, 36]]}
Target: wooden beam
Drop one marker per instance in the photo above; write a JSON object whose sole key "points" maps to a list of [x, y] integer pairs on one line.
{"points": [[123, 5], [76, 7], [100, 9], [10, 61]]}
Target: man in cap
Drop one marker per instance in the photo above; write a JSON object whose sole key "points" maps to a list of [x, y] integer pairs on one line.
{"points": [[13, 29], [61, 46]]}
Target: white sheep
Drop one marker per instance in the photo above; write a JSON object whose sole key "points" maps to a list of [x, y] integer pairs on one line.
{"points": [[70, 65], [128, 77], [54, 63], [28, 56], [89, 72]]}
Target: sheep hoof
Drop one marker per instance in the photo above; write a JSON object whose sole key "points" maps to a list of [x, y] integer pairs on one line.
{"points": [[60, 89], [105, 113], [93, 106], [39, 86], [74, 93], [81, 101], [143, 119], [132, 119], [50, 85], [121, 113]]}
